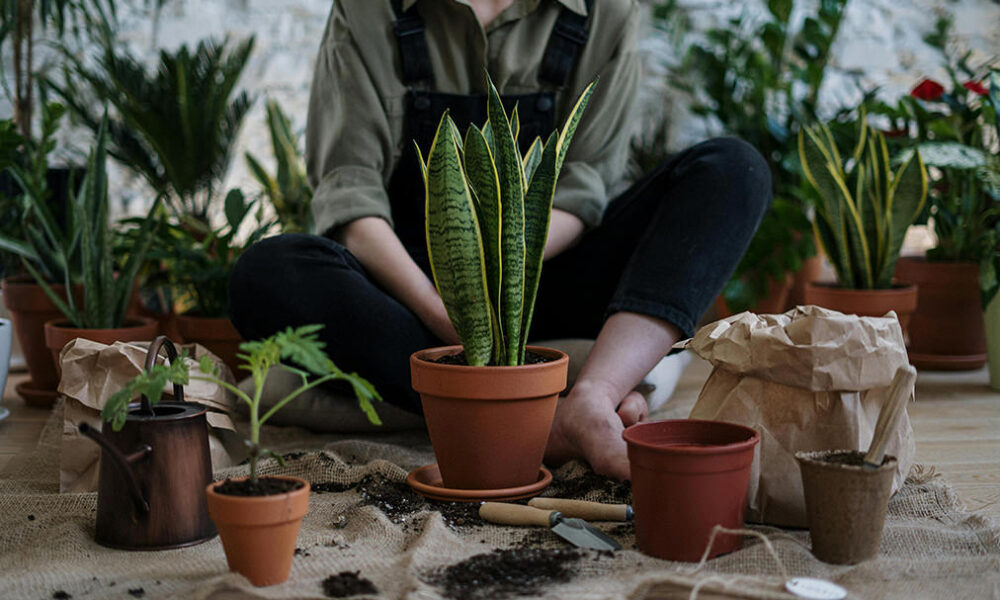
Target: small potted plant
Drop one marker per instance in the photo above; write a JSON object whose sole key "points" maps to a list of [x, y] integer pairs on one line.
{"points": [[487, 221], [862, 214], [258, 517]]}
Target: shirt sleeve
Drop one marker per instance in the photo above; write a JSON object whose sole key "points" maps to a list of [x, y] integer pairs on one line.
{"points": [[596, 158], [347, 133]]}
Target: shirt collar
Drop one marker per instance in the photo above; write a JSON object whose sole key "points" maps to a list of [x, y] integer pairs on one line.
{"points": [[577, 6]]}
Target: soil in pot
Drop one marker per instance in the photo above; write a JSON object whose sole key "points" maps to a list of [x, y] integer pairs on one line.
{"points": [[60, 332], [258, 532], [946, 330], [687, 477], [217, 334], [901, 298], [476, 414], [846, 503]]}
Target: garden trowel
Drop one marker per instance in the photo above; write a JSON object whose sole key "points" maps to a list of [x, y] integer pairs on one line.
{"points": [[575, 531]]}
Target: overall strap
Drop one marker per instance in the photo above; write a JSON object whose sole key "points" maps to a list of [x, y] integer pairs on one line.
{"points": [[409, 29], [568, 38]]}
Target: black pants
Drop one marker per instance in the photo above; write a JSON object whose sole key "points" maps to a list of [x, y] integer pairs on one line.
{"points": [[665, 248]]}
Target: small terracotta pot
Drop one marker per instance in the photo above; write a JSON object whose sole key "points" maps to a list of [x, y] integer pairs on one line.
{"points": [[774, 302], [946, 330], [489, 425], [901, 298], [845, 504], [687, 477], [30, 307], [59, 332], [258, 533], [216, 334]]}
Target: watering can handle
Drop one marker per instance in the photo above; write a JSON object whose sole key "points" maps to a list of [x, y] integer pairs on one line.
{"points": [[154, 351]]}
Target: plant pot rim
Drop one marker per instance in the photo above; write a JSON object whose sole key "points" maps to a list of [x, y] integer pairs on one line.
{"points": [[63, 324], [815, 458], [898, 287], [931, 261], [196, 317], [422, 357], [675, 448], [305, 489]]}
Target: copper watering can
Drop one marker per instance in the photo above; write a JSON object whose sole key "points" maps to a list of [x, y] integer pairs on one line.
{"points": [[151, 488]]}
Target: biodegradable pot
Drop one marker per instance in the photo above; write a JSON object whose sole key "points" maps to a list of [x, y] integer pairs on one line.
{"points": [[59, 332], [259, 532], [946, 330], [772, 303], [845, 504], [30, 307], [992, 319], [489, 425], [687, 477], [216, 334], [902, 298]]}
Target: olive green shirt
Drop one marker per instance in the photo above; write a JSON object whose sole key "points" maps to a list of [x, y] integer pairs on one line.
{"points": [[355, 131]]}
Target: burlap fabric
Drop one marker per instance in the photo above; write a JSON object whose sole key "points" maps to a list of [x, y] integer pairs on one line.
{"points": [[931, 547]]}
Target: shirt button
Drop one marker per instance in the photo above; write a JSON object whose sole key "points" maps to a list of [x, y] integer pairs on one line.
{"points": [[422, 103], [544, 104]]}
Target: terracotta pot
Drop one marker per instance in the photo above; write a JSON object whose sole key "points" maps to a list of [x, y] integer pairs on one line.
{"points": [[901, 298], [811, 270], [687, 477], [259, 532], [216, 334], [488, 425], [846, 505], [30, 307], [774, 302], [59, 332], [946, 330], [992, 318]]}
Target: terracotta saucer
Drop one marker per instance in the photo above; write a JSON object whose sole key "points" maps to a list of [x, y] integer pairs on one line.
{"points": [[947, 362], [426, 481], [35, 397]]}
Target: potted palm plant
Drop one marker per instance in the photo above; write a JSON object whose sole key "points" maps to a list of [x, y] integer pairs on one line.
{"points": [[487, 216], [862, 214], [258, 517]]}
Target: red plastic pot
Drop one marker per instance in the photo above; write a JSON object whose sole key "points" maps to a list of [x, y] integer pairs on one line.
{"points": [[687, 477], [488, 425]]}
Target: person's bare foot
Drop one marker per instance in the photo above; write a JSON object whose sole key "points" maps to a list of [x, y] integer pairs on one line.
{"points": [[587, 426]]}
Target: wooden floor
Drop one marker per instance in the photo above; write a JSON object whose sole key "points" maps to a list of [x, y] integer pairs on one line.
{"points": [[956, 419]]}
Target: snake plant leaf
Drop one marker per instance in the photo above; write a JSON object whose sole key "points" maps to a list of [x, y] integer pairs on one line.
{"points": [[124, 282], [14, 246], [511, 177], [907, 195], [815, 156], [515, 124], [455, 246], [420, 161], [485, 182], [531, 159], [861, 257], [569, 128], [488, 134], [537, 211]]}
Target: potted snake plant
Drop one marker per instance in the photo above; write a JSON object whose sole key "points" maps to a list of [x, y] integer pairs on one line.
{"points": [[862, 214], [487, 219]]}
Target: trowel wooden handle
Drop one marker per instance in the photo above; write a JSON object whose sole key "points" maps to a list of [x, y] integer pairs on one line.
{"points": [[583, 509], [503, 513], [888, 417]]}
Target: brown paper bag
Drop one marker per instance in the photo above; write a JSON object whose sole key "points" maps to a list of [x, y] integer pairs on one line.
{"points": [[809, 379], [92, 372]]}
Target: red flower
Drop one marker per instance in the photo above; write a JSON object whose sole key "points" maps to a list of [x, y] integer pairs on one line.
{"points": [[895, 133], [928, 89], [976, 88]]}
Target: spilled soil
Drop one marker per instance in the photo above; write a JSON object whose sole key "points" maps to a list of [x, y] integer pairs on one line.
{"points": [[346, 584], [504, 573]]}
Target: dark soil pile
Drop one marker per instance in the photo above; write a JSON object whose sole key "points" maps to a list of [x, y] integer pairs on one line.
{"points": [[504, 573], [591, 484], [850, 458], [265, 486], [347, 583], [530, 358]]}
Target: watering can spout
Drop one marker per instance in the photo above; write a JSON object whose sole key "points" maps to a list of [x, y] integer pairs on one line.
{"points": [[123, 461]]}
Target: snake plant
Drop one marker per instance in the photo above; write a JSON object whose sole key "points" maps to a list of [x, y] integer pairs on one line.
{"points": [[487, 219], [863, 208]]}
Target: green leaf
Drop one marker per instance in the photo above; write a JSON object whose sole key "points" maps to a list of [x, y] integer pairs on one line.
{"points": [[205, 365], [236, 208], [537, 214], [907, 195], [781, 9]]}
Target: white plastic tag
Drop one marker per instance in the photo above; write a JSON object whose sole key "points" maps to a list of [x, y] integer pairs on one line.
{"points": [[815, 589]]}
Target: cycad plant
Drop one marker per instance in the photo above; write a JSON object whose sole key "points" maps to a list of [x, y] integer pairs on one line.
{"points": [[288, 189], [863, 208], [487, 219], [175, 126]]}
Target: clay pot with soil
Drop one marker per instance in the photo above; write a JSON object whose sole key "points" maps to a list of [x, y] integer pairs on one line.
{"points": [[846, 503], [946, 330], [217, 334], [489, 413], [59, 332], [687, 477], [901, 298]]}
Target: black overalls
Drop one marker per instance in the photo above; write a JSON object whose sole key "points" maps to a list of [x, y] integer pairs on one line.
{"points": [[424, 108], [664, 248]]}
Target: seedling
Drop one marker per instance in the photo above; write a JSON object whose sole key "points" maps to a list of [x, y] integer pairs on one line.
{"points": [[300, 346]]}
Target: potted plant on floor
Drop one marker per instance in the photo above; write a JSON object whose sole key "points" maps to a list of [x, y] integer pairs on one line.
{"points": [[487, 217], [862, 215], [258, 517]]}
